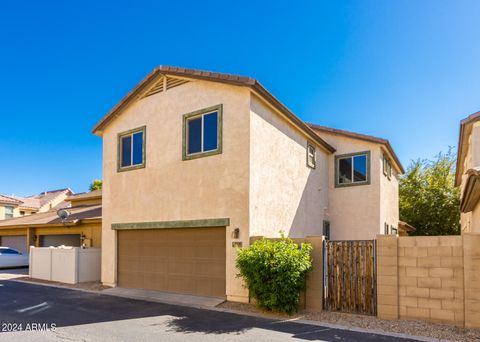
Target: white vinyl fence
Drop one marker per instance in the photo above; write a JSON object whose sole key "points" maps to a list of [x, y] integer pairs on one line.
{"points": [[69, 265]]}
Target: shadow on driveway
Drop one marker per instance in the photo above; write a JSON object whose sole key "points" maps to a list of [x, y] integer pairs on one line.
{"points": [[28, 303]]}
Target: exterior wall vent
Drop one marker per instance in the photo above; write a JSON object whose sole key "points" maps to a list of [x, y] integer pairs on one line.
{"points": [[165, 83]]}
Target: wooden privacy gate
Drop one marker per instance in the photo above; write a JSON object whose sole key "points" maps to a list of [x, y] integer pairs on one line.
{"points": [[349, 276]]}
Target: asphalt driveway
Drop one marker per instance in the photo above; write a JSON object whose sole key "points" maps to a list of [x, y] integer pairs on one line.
{"points": [[81, 316]]}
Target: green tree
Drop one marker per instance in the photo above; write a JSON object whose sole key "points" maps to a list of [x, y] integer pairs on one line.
{"points": [[429, 200], [96, 185]]}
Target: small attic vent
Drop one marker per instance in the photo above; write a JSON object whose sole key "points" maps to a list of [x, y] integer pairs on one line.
{"points": [[157, 88], [165, 83], [174, 82]]}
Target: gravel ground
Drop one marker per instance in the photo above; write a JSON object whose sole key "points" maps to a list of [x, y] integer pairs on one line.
{"points": [[418, 328], [91, 285]]}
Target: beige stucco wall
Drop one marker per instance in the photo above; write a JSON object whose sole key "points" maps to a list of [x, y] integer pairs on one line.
{"points": [[170, 189], [16, 210], [470, 222], [354, 211], [389, 200], [285, 194]]}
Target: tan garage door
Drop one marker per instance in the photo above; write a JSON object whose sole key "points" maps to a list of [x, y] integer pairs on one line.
{"points": [[18, 242], [184, 260]]}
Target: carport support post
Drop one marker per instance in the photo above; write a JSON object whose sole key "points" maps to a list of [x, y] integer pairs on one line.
{"points": [[387, 277]]}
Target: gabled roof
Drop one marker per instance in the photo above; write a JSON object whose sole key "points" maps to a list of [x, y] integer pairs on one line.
{"points": [[363, 137], [84, 212], [40, 200], [160, 71], [95, 194], [465, 130], [10, 200]]}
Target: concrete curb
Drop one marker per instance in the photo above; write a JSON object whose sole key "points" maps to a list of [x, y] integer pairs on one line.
{"points": [[52, 285], [334, 326], [243, 313]]}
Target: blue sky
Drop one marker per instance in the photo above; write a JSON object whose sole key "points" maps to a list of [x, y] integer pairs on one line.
{"points": [[403, 70]]}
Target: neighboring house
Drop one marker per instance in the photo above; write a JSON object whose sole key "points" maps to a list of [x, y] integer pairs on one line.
{"points": [[405, 229], [81, 227], [196, 163], [16, 206], [468, 173], [8, 207]]}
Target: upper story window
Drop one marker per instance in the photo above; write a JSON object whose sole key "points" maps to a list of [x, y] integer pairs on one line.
{"points": [[202, 133], [131, 149], [311, 156], [8, 212], [387, 167], [352, 169]]}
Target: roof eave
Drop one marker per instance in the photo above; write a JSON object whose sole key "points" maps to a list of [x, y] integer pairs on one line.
{"points": [[363, 137], [253, 84], [461, 140]]}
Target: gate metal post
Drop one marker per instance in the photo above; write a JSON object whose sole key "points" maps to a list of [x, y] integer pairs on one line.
{"points": [[374, 281], [325, 274]]}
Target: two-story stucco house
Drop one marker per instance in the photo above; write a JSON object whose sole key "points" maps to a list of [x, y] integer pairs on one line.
{"points": [[468, 173], [195, 163]]}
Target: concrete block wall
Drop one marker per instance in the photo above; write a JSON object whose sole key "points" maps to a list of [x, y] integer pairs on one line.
{"points": [[437, 278], [430, 278], [387, 277], [471, 257]]}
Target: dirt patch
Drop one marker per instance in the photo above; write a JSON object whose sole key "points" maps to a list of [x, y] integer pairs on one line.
{"points": [[416, 328], [91, 285]]}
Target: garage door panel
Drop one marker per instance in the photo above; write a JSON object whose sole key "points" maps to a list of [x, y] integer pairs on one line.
{"points": [[181, 267], [213, 252], [18, 242], [185, 260], [182, 284], [210, 269]]}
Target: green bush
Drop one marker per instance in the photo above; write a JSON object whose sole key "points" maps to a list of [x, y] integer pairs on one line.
{"points": [[275, 272]]}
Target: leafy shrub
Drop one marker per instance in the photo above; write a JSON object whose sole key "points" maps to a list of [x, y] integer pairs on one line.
{"points": [[275, 272]]}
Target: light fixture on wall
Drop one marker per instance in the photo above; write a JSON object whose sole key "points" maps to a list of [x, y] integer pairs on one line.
{"points": [[236, 233]]}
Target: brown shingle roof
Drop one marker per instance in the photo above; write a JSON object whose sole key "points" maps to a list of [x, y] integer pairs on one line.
{"points": [[83, 212], [252, 83], [363, 137]]}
